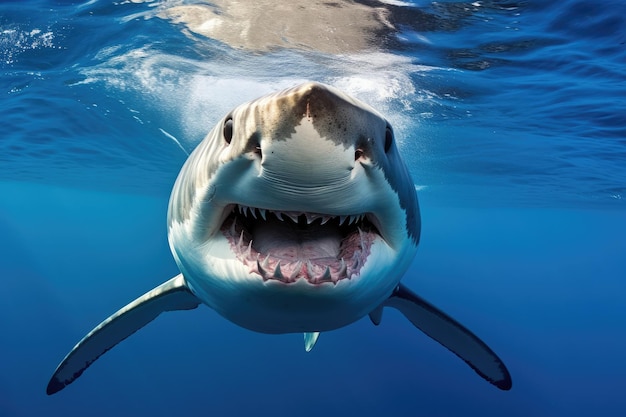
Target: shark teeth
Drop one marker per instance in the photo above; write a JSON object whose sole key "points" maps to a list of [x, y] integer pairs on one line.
{"points": [[309, 218], [292, 216], [296, 271], [326, 275], [281, 270], [260, 270], [343, 269], [354, 247], [309, 269], [278, 274], [266, 262], [249, 250]]}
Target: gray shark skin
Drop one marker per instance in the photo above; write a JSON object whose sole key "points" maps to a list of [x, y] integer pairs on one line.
{"points": [[296, 214]]}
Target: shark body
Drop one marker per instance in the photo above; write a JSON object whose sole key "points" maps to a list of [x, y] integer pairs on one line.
{"points": [[295, 214]]}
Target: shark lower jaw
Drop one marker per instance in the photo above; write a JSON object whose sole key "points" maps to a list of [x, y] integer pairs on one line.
{"points": [[289, 246]]}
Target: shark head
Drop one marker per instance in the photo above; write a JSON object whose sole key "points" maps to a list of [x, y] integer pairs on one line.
{"points": [[295, 213]]}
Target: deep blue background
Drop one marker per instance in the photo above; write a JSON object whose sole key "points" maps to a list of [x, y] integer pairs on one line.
{"points": [[544, 287], [511, 117]]}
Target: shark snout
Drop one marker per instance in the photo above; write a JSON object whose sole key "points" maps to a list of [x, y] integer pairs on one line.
{"points": [[306, 158]]}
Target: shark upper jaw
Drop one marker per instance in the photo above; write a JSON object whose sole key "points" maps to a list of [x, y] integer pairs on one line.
{"points": [[289, 246]]}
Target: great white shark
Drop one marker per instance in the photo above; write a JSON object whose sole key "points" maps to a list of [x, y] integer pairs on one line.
{"points": [[295, 214]]}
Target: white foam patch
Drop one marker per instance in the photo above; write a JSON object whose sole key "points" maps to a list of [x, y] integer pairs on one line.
{"points": [[209, 98], [197, 94], [377, 77], [15, 40], [397, 3], [384, 81]]}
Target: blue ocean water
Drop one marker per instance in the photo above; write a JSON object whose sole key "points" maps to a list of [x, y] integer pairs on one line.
{"points": [[511, 117]]}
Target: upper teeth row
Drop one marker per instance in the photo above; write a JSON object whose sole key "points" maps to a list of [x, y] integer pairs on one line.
{"points": [[293, 215]]}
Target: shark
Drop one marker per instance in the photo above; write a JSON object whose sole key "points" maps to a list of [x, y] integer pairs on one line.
{"points": [[295, 214]]}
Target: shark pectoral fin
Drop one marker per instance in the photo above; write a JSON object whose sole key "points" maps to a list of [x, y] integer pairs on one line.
{"points": [[452, 335], [310, 339], [171, 295]]}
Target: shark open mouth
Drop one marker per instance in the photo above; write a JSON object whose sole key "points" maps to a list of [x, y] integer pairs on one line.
{"points": [[288, 246]]}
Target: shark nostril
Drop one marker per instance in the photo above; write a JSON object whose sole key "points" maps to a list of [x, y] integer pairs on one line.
{"points": [[254, 144]]}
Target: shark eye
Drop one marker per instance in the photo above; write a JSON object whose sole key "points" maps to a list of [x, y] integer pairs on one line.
{"points": [[388, 138], [228, 130]]}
